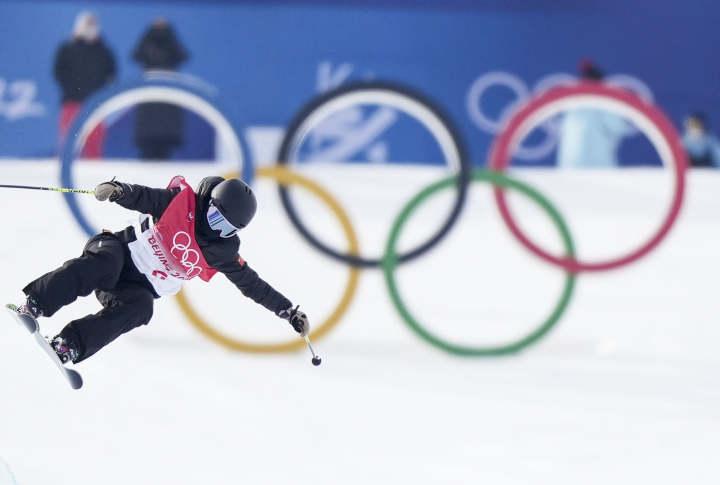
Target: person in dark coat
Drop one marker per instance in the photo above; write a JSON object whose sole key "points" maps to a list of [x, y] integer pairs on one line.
{"points": [[159, 126], [83, 65]]}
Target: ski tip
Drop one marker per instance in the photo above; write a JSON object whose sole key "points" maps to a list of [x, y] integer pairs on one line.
{"points": [[26, 321], [76, 380]]}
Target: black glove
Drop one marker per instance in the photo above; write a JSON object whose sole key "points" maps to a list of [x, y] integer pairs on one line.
{"points": [[111, 191], [297, 319]]}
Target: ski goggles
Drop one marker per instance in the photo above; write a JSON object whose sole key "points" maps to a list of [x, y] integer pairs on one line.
{"points": [[218, 222]]}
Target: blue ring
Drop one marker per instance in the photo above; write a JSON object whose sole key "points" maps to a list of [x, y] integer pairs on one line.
{"points": [[68, 150]]}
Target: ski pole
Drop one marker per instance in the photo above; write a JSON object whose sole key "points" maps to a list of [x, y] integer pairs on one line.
{"points": [[52, 189], [316, 360]]}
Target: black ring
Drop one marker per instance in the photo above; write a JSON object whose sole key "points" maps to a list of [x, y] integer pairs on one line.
{"points": [[463, 178]]}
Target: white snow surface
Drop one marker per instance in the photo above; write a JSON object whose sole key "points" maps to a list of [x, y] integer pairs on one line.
{"points": [[624, 390]]}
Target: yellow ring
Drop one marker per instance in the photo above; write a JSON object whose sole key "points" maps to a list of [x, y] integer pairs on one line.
{"points": [[286, 177]]}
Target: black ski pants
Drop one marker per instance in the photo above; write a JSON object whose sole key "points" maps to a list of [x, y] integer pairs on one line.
{"points": [[105, 267]]}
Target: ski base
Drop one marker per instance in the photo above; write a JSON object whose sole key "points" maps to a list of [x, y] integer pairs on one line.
{"points": [[31, 325]]}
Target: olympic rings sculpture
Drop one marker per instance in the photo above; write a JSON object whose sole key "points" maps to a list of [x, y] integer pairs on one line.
{"points": [[390, 264], [285, 177], [650, 120], [396, 97]]}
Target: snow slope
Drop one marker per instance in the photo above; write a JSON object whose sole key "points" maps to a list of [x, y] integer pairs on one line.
{"points": [[623, 391]]}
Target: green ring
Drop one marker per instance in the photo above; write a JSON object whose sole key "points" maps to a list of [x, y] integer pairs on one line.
{"points": [[390, 262]]}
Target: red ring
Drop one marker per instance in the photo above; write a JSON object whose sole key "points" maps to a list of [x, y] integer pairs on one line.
{"points": [[500, 159]]}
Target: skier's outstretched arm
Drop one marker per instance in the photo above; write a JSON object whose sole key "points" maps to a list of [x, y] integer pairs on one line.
{"points": [[258, 290], [136, 197]]}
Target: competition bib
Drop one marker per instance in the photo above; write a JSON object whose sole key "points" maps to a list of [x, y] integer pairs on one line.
{"points": [[167, 252]]}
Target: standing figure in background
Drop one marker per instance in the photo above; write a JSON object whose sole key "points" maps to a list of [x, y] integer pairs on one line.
{"points": [[83, 65], [590, 137], [702, 147], [159, 126]]}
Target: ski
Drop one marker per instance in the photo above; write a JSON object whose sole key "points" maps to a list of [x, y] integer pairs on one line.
{"points": [[31, 325]]}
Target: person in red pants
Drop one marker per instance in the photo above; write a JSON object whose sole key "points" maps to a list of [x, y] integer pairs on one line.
{"points": [[83, 65]]}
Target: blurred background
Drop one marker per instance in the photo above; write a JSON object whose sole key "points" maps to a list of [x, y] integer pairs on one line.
{"points": [[494, 356]]}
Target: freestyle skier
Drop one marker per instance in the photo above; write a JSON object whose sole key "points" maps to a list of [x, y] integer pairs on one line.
{"points": [[182, 234]]}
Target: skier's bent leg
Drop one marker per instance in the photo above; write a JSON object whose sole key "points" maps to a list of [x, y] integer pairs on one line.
{"points": [[98, 267], [126, 307]]}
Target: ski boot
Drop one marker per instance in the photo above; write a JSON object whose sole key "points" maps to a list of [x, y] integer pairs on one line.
{"points": [[31, 308], [63, 349]]}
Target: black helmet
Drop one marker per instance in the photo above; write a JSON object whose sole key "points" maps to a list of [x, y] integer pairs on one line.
{"points": [[235, 201]]}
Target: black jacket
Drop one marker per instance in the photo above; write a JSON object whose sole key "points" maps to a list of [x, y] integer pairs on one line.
{"points": [[160, 48], [220, 253], [82, 67]]}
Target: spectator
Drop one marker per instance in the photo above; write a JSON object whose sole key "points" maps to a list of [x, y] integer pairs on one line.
{"points": [[159, 126], [83, 64], [702, 147], [590, 137]]}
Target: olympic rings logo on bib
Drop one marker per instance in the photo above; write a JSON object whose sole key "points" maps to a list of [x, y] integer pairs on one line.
{"points": [[188, 257]]}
